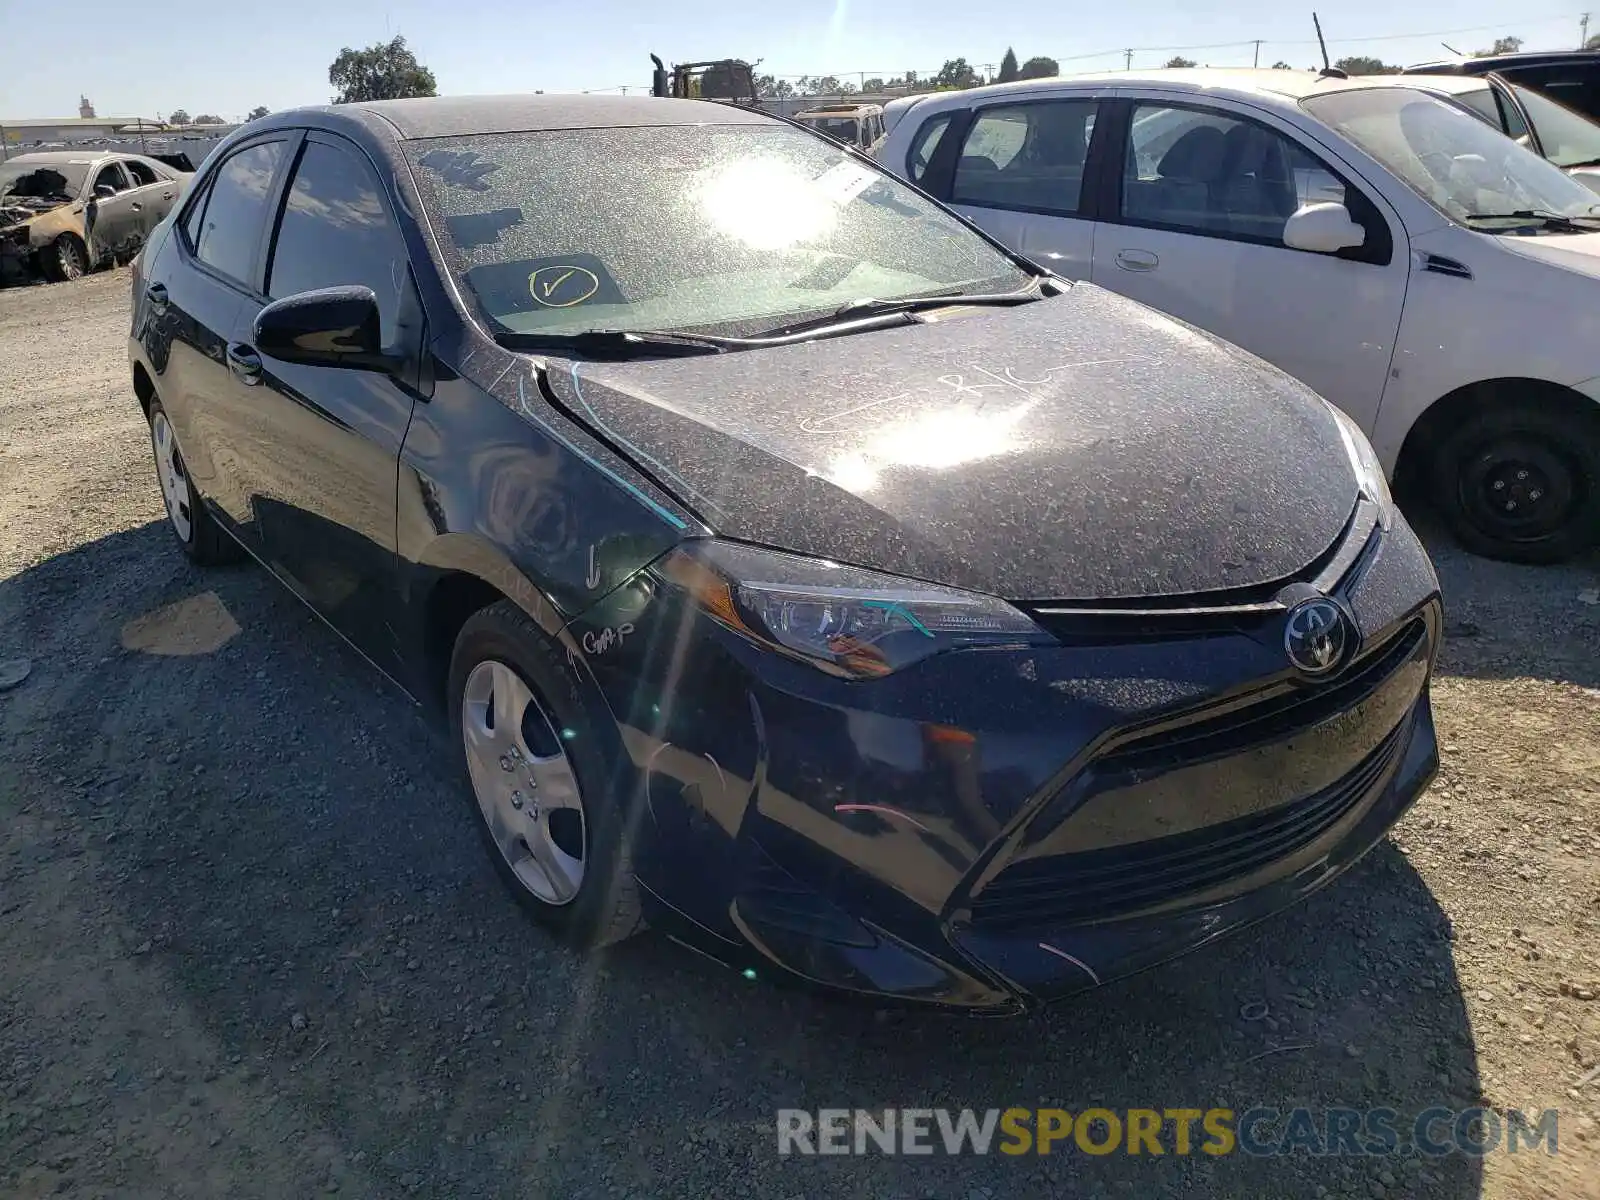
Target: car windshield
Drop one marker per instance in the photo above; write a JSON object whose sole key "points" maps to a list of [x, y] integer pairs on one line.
{"points": [[1452, 159], [675, 227], [1568, 138], [43, 181]]}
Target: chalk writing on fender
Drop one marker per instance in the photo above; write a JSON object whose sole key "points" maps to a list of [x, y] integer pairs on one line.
{"points": [[599, 643]]}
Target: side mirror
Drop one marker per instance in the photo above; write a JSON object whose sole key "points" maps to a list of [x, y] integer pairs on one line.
{"points": [[1323, 228], [330, 327], [102, 190]]}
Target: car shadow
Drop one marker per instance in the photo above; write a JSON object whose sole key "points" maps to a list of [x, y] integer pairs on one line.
{"points": [[282, 838]]}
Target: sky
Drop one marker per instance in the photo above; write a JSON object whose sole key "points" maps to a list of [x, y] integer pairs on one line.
{"points": [[227, 56]]}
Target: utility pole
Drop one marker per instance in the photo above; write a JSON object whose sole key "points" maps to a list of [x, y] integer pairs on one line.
{"points": [[1127, 60], [1583, 32], [1257, 61]]}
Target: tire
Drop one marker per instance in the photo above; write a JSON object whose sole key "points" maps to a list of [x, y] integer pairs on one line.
{"points": [[1521, 483], [599, 907], [64, 259], [191, 523]]}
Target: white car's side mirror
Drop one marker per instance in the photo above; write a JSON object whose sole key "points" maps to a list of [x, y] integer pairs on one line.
{"points": [[1323, 228]]}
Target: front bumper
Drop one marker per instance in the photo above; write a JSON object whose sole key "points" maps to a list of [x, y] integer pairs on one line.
{"points": [[995, 829]]}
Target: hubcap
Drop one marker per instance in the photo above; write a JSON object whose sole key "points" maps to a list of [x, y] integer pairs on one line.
{"points": [[174, 483], [1521, 489], [524, 783]]}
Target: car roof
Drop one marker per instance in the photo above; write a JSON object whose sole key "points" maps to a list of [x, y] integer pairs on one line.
{"points": [[839, 110], [66, 156], [1478, 65], [1243, 83], [451, 116]]}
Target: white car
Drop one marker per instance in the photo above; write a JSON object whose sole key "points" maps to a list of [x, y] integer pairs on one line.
{"points": [[1430, 276]]}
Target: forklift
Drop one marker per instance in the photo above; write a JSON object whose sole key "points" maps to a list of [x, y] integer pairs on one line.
{"points": [[726, 80]]}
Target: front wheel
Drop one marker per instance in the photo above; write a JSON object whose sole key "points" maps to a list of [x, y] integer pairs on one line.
{"points": [[546, 796], [1522, 483], [65, 258]]}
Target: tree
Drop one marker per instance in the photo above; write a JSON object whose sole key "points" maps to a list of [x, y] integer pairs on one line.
{"points": [[1593, 43], [1008, 67], [383, 71], [1039, 67], [769, 87], [1504, 45], [1364, 64], [872, 85], [1179, 62], [956, 73], [209, 119], [258, 112], [179, 117], [1280, 65]]}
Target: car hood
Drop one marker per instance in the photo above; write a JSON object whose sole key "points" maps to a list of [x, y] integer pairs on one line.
{"points": [[1579, 252], [1079, 447]]}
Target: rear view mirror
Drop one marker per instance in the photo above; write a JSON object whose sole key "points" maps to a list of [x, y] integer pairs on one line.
{"points": [[330, 327], [1323, 228]]}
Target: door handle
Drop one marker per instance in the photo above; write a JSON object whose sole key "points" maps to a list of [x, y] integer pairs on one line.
{"points": [[1137, 260], [244, 362], [166, 195], [156, 293], [137, 207]]}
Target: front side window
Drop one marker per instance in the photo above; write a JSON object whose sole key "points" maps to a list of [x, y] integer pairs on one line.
{"points": [[1577, 85], [236, 210], [335, 231], [1202, 171], [1026, 156], [686, 227], [111, 176], [1450, 158]]}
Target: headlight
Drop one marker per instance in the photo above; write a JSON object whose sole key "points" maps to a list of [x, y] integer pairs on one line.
{"points": [[847, 621], [1364, 462]]}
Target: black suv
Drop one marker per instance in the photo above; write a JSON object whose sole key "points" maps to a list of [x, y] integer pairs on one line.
{"points": [[1570, 76]]}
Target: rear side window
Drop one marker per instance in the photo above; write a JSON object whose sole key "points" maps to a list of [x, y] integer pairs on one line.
{"points": [[1028, 157], [923, 145], [143, 176], [236, 210], [1575, 85], [336, 231]]}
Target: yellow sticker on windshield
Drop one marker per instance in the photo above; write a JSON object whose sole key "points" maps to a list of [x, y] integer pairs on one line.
{"points": [[563, 286]]}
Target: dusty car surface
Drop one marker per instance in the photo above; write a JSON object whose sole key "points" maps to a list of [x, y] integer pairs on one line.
{"points": [[856, 602], [66, 212]]}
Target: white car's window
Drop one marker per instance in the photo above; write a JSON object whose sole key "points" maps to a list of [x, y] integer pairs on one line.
{"points": [[1027, 157], [143, 176], [111, 176], [1569, 138], [686, 226], [1203, 171], [1450, 158], [924, 144]]}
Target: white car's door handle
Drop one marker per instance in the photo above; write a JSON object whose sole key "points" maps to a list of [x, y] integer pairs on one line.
{"points": [[1137, 260]]}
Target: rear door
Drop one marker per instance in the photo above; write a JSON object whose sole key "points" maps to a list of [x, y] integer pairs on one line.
{"points": [[323, 474], [154, 194], [1194, 227], [205, 274], [1022, 171]]}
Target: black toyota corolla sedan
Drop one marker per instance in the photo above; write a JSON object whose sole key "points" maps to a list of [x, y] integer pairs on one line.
{"points": [[797, 570]]}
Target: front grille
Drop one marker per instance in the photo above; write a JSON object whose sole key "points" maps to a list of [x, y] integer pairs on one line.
{"points": [[1101, 884], [1263, 719]]}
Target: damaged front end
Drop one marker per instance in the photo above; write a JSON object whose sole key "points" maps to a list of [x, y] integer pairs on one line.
{"points": [[27, 224]]}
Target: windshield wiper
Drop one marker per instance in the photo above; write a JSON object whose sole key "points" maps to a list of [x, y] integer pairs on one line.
{"points": [[857, 309], [620, 343], [1549, 219]]}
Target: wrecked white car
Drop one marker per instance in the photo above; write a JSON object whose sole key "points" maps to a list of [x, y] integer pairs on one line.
{"points": [[64, 213]]}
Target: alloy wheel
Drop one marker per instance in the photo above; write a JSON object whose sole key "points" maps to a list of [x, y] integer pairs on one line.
{"points": [[525, 786], [71, 257]]}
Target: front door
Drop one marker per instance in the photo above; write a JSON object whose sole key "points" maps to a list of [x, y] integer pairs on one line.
{"points": [[114, 229], [325, 479], [1020, 177], [1196, 231]]}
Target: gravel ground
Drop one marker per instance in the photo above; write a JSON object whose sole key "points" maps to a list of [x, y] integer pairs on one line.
{"points": [[251, 946]]}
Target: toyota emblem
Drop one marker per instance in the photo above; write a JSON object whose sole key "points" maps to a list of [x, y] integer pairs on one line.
{"points": [[1316, 636]]}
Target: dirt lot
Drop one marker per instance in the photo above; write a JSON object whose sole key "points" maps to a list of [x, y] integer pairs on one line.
{"points": [[250, 946]]}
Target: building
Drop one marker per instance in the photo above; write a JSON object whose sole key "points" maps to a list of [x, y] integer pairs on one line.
{"points": [[26, 134]]}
